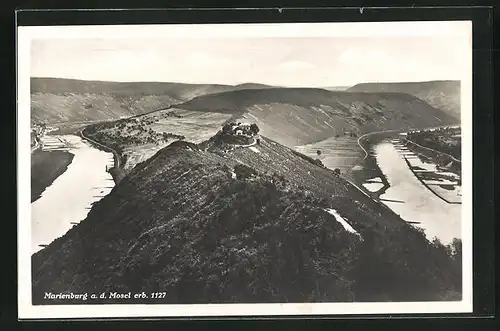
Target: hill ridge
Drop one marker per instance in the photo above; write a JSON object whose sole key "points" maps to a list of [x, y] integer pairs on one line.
{"points": [[298, 116], [442, 94], [56, 100], [224, 227]]}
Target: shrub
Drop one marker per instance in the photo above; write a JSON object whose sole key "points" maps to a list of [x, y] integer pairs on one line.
{"points": [[226, 128], [319, 163], [254, 129], [242, 171]]}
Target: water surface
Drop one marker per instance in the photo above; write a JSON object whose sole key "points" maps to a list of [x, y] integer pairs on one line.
{"points": [[68, 199], [412, 200]]}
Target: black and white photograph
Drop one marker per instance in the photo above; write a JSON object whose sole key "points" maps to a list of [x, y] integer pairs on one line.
{"points": [[245, 169]]}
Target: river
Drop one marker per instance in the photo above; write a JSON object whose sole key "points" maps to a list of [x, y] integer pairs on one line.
{"points": [[412, 200], [385, 175], [69, 198]]}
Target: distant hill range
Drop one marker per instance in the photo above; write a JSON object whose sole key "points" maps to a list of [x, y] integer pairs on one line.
{"points": [[56, 100], [297, 116], [254, 224], [336, 88], [444, 94]]}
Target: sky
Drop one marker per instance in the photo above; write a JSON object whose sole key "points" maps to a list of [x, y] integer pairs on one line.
{"points": [[281, 59]]}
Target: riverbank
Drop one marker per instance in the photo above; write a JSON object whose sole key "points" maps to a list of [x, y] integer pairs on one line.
{"points": [[115, 171], [352, 156], [383, 173], [47, 166], [368, 172], [444, 161], [340, 153]]}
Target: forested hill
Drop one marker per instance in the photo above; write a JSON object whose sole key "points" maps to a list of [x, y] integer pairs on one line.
{"points": [[243, 221]]}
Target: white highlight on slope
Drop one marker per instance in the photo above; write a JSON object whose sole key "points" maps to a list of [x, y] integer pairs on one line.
{"points": [[254, 149], [342, 221]]}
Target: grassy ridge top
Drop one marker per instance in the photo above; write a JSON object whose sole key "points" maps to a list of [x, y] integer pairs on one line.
{"points": [[238, 100]]}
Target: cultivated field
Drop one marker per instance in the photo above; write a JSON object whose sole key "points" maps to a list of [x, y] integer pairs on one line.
{"points": [[138, 138], [343, 153]]}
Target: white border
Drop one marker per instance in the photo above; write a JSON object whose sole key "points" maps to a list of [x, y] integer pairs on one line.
{"points": [[247, 30], [26, 34]]}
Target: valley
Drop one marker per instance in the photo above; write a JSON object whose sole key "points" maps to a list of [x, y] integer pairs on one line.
{"points": [[292, 117], [203, 184], [211, 209]]}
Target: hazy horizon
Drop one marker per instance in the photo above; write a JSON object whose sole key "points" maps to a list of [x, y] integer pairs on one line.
{"points": [[198, 55], [258, 83]]}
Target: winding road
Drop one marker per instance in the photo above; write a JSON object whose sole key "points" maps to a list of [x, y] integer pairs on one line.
{"points": [[249, 145]]}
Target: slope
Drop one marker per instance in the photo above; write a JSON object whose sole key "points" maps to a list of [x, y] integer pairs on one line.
{"points": [[298, 116], [55, 100], [443, 95], [220, 223]]}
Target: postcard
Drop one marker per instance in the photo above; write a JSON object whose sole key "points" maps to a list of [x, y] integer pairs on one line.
{"points": [[244, 169]]}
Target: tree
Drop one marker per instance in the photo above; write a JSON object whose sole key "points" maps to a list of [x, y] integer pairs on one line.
{"points": [[254, 128], [336, 172], [318, 163], [456, 248], [318, 152], [226, 128]]}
